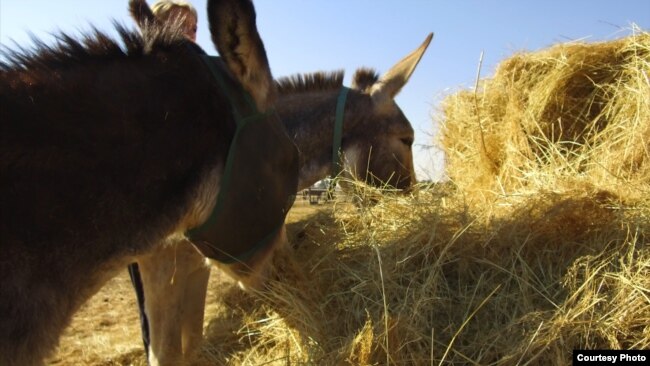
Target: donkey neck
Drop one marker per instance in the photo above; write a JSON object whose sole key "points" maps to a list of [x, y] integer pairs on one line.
{"points": [[309, 119]]}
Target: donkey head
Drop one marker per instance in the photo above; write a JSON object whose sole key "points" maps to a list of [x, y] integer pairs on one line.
{"points": [[274, 180], [385, 158]]}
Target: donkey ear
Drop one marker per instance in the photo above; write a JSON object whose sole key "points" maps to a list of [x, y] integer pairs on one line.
{"points": [[234, 33], [392, 82], [141, 13]]}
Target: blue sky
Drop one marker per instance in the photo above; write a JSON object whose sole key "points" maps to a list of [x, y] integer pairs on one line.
{"points": [[309, 35]]}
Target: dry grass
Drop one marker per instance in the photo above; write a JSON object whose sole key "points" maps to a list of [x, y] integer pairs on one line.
{"points": [[428, 280], [538, 246]]}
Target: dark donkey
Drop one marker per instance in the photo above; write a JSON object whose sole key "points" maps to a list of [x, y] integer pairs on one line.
{"points": [[375, 146], [107, 148]]}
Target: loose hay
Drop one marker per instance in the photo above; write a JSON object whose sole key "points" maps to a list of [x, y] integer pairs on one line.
{"points": [[538, 246], [445, 282]]}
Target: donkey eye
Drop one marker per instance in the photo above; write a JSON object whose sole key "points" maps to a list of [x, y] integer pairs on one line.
{"points": [[408, 141]]}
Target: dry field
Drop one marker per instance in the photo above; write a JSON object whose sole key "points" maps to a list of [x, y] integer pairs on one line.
{"points": [[539, 244]]}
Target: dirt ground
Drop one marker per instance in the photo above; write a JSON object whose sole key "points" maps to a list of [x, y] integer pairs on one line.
{"points": [[106, 330]]}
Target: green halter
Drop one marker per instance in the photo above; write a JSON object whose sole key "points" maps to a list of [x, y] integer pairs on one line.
{"points": [[338, 131], [258, 184]]}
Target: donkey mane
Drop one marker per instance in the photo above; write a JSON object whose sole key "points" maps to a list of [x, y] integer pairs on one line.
{"points": [[321, 81], [92, 46], [316, 81]]}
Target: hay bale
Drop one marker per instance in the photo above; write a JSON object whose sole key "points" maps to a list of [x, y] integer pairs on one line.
{"points": [[573, 112]]}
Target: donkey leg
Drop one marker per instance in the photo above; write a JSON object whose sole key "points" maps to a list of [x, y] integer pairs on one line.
{"points": [[194, 307], [164, 275]]}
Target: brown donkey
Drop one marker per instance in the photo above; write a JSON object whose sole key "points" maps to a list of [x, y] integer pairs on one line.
{"points": [[109, 147], [375, 146]]}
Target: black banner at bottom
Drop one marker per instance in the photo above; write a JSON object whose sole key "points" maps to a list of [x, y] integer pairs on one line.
{"points": [[611, 357]]}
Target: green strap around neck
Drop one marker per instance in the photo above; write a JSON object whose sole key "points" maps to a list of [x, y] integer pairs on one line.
{"points": [[338, 131]]}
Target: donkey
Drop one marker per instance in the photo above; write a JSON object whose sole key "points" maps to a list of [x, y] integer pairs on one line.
{"points": [[375, 145], [107, 148]]}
